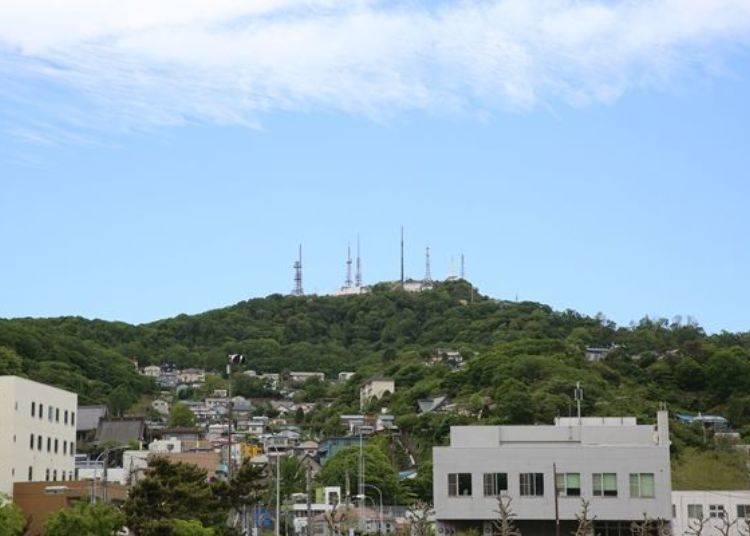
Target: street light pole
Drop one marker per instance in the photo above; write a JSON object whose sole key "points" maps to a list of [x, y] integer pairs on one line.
{"points": [[380, 527], [278, 489]]}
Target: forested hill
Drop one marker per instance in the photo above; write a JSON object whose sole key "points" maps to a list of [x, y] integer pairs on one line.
{"points": [[524, 356]]}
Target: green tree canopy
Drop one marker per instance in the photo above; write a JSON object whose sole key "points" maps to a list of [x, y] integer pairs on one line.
{"points": [[378, 471], [12, 520], [85, 518], [181, 416], [172, 491]]}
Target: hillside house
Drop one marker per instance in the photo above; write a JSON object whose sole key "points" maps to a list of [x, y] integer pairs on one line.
{"points": [[374, 389]]}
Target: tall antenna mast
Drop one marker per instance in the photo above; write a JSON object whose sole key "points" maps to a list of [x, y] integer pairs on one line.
{"points": [[348, 281], [358, 276], [427, 274], [298, 275], [402, 256], [462, 266]]}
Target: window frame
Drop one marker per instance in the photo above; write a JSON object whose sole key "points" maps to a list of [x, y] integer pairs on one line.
{"points": [[534, 485], [639, 478], [600, 478], [694, 508], [563, 490], [492, 482], [454, 484], [746, 509], [717, 511]]}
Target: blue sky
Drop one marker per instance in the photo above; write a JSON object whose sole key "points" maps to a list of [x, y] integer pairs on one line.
{"points": [[134, 186]]}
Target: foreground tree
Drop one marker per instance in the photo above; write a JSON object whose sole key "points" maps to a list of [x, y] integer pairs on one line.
{"points": [[172, 491], [12, 521], [419, 519], [505, 524], [585, 525], [85, 518]]}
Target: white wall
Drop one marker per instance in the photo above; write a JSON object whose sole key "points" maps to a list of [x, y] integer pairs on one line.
{"points": [[728, 499], [17, 425]]}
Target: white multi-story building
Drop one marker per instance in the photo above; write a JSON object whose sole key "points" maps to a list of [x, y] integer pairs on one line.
{"points": [[714, 510], [37, 432], [621, 468], [302, 377]]}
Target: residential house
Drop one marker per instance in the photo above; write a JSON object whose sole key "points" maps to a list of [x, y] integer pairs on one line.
{"points": [[716, 423], [272, 379], [594, 353], [88, 421], [301, 377], [37, 432], [332, 445], [160, 406], [121, 431], [191, 376], [433, 403], [152, 371], [385, 423], [620, 467], [375, 388], [447, 357]]}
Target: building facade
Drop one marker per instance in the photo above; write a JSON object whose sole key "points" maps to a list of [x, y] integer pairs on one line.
{"points": [[712, 509], [621, 468], [38, 424], [375, 388]]}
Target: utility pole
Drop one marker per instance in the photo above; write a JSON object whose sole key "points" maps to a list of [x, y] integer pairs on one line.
{"points": [[578, 395], [557, 509], [309, 503]]}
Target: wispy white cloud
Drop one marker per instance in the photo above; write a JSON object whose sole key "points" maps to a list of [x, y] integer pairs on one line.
{"points": [[105, 64]]}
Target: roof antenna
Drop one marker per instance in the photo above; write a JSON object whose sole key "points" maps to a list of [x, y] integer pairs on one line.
{"points": [[462, 266]]}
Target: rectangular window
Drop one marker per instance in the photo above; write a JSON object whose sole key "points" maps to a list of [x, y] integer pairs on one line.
{"points": [[56, 445], [459, 484], [46, 475], [31, 441], [642, 485], [743, 511], [495, 484], [65, 447], [49, 444], [66, 416], [50, 413], [33, 409], [532, 484], [39, 442], [695, 511], [57, 414], [604, 484], [41, 411], [569, 484], [72, 418], [716, 511], [31, 473]]}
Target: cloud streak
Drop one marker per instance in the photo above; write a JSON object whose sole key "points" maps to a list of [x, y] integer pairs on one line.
{"points": [[104, 65]]}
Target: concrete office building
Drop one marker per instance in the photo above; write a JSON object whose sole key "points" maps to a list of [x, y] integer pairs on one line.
{"points": [[620, 467], [38, 424], [715, 509]]}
